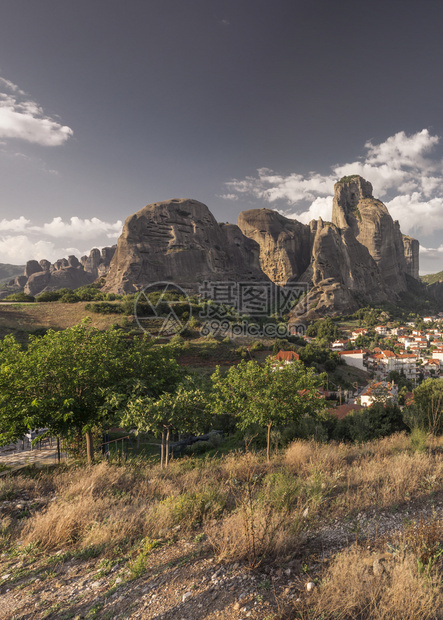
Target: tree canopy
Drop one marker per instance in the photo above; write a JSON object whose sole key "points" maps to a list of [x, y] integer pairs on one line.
{"points": [[185, 410], [266, 394], [62, 380]]}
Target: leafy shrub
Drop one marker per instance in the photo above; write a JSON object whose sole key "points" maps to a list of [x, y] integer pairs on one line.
{"points": [[257, 345], [241, 352], [20, 297], [139, 564], [104, 307], [48, 296], [69, 298]]}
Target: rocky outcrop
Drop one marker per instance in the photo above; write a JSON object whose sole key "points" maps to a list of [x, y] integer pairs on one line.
{"points": [[180, 241], [354, 207], [361, 257], [32, 266], [342, 272], [64, 273], [285, 244], [97, 263], [411, 250]]}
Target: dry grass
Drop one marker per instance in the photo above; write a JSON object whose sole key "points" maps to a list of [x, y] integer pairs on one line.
{"points": [[351, 478], [51, 315], [248, 508], [359, 586]]}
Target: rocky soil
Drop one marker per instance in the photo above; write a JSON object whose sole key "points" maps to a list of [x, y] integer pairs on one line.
{"points": [[182, 580]]}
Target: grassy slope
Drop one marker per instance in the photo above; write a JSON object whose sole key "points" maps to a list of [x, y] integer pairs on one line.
{"points": [[119, 541], [23, 319], [432, 277], [7, 272]]}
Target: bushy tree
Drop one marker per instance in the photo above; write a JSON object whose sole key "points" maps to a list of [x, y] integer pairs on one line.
{"points": [[62, 381], [427, 410], [324, 329], [380, 420], [184, 410], [266, 394]]}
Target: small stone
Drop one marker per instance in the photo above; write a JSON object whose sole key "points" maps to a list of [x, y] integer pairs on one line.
{"points": [[310, 586], [185, 596]]}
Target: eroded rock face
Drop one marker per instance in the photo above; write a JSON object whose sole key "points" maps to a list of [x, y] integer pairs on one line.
{"points": [[37, 283], [180, 241], [354, 207], [284, 243], [359, 258], [32, 266], [97, 263], [64, 273], [411, 250], [337, 254]]}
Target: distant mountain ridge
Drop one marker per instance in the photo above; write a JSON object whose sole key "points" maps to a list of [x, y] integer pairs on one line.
{"points": [[431, 278], [8, 271]]}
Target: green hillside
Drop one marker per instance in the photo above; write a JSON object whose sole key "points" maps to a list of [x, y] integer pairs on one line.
{"points": [[7, 272], [432, 277]]}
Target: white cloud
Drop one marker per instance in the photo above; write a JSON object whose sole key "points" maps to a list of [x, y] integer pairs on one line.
{"points": [[321, 207], [432, 252], [16, 225], [22, 118], [271, 187], [403, 170], [20, 240], [18, 249], [416, 215], [431, 259], [228, 196], [78, 228], [4, 83]]}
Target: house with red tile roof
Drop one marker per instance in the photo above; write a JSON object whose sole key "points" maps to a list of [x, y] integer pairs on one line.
{"points": [[381, 391], [341, 411], [287, 356]]}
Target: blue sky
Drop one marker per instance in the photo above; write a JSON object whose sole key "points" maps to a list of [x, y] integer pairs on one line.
{"points": [[106, 106]]}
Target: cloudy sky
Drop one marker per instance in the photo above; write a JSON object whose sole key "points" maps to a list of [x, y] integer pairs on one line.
{"points": [[106, 106]]}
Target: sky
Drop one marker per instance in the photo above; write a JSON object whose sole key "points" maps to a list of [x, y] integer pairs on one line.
{"points": [[106, 106]]}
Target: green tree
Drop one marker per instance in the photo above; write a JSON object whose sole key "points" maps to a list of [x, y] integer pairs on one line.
{"points": [[62, 381], [184, 410], [265, 394], [324, 329], [428, 405]]}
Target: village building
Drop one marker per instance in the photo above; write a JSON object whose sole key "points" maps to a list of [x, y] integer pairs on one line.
{"points": [[286, 356], [382, 330], [387, 361], [339, 345], [431, 368], [361, 331], [354, 358], [341, 411], [379, 392]]}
